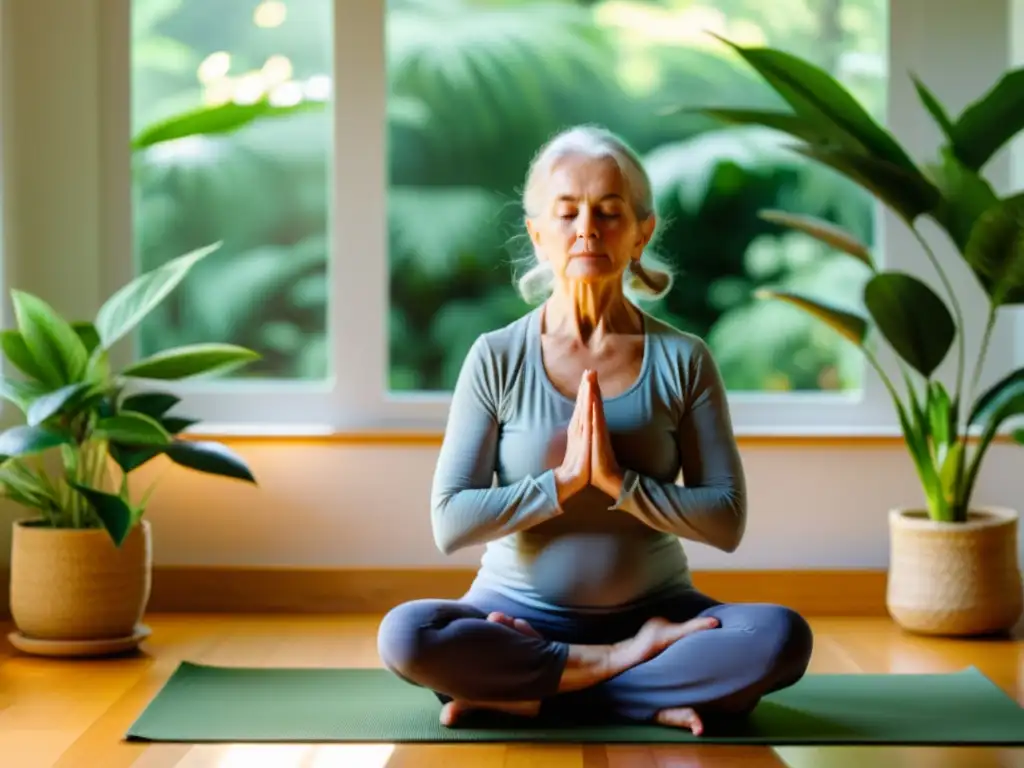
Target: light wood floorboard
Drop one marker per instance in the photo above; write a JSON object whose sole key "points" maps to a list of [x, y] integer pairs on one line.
{"points": [[72, 714]]}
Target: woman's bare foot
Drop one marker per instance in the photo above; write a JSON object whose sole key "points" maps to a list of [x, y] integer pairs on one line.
{"points": [[681, 717], [589, 665], [454, 710]]}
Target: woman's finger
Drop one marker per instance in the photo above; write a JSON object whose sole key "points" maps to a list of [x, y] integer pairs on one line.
{"points": [[588, 430], [575, 422], [583, 401]]}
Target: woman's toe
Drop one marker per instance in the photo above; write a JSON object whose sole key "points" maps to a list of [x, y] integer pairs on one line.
{"points": [[681, 717]]}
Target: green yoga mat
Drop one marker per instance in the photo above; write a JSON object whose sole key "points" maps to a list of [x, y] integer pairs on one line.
{"points": [[227, 704]]}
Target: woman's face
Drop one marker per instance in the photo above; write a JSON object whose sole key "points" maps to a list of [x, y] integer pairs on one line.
{"points": [[587, 230]]}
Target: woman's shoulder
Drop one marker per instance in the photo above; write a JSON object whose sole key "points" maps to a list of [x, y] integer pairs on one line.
{"points": [[682, 355], [507, 344], [498, 356], [678, 343]]}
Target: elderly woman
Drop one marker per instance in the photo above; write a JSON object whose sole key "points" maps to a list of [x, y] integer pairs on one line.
{"points": [[587, 410]]}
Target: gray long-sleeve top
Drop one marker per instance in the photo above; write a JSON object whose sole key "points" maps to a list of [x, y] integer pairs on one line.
{"points": [[494, 480]]}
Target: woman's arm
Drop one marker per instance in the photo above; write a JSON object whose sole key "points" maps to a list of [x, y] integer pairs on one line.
{"points": [[712, 507], [466, 508]]}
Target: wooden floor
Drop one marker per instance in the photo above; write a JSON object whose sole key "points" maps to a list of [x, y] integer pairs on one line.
{"points": [[73, 713]]}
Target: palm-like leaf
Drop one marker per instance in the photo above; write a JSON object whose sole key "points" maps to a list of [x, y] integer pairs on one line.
{"points": [[499, 72]]}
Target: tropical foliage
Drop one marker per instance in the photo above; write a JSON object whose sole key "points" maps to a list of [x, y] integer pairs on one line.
{"points": [[97, 422], [987, 230], [473, 88]]}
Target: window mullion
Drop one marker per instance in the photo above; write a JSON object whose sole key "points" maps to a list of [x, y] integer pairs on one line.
{"points": [[358, 264]]}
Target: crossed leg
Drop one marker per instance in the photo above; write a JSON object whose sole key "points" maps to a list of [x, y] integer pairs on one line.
{"points": [[756, 649], [475, 657]]}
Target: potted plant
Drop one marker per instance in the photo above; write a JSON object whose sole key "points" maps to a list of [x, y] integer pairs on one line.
{"points": [[81, 566], [954, 566]]}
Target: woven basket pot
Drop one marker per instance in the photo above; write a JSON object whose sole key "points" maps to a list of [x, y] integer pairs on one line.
{"points": [[71, 584], [955, 579]]}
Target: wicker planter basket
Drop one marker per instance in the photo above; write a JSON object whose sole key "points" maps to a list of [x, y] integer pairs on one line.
{"points": [[75, 585], [955, 578]]}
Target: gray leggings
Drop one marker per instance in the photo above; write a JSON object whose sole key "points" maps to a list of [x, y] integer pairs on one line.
{"points": [[449, 647]]}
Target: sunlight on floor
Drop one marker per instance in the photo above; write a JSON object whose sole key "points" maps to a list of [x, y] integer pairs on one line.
{"points": [[295, 756], [353, 756]]}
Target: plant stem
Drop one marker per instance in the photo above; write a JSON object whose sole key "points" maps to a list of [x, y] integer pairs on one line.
{"points": [[957, 313], [990, 323], [76, 497], [882, 375]]}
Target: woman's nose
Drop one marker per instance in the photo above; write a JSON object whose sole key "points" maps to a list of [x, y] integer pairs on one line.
{"points": [[586, 225]]}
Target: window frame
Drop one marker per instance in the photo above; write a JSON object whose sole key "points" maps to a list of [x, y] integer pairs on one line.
{"points": [[355, 397]]}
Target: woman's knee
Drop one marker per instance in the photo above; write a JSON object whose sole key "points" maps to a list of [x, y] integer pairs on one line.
{"points": [[789, 636], [407, 638]]}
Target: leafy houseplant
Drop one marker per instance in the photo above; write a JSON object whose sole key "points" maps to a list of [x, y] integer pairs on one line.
{"points": [[80, 570], [969, 553]]}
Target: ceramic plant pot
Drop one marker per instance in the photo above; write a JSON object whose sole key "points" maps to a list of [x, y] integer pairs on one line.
{"points": [[957, 579], [76, 587]]}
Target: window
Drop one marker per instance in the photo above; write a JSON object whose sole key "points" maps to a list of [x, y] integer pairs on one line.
{"points": [[368, 242]]}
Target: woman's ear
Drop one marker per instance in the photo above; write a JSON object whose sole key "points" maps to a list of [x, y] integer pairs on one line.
{"points": [[646, 232], [534, 234]]}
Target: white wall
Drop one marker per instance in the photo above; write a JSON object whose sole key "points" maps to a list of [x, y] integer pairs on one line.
{"points": [[814, 504]]}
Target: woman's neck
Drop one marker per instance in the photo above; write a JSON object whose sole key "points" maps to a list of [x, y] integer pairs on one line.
{"points": [[590, 312]]}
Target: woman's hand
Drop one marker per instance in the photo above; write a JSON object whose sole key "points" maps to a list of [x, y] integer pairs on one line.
{"points": [[605, 472], [574, 474]]}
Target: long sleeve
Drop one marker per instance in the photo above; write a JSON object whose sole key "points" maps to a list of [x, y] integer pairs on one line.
{"points": [[466, 508], [711, 507]]}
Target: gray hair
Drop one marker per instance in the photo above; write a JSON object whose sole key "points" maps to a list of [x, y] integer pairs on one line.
{"points": [[650, 278]]}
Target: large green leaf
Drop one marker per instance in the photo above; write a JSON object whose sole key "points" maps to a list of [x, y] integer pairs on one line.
{"points": [[25, 440], [113, 511], [825, 231], [991, 121], [218, 119], [131, 304], [55, 347], [131, 428], [51, 403], [212, 458], [850, 326], [912, 318], [191, 360], [965, 197], [995, 251], [818, 97], [17, 352], [908, 194]]}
